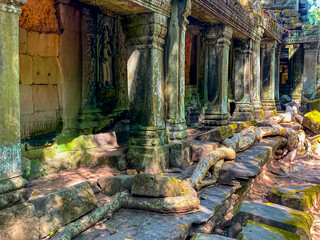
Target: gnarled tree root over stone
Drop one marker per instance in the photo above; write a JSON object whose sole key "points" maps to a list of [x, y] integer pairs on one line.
{"points": [[196, 180], [188, 201]]}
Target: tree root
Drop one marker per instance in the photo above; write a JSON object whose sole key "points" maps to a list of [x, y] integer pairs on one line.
{"points": [[205, 164], [187, 202]]}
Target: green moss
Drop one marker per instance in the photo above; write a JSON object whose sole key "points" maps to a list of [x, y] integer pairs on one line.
{"points": [[301, 220], [277, 231]]}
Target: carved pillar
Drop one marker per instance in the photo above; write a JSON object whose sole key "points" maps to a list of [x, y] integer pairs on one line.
{"points": [[148, 150], [311, 52], [16, 217], [296, 71], [242, 81], [216, 74], [256, 74], [175, 85], [268, 77], [277, 78]]}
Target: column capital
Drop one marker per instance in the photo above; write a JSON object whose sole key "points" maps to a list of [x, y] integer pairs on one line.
{"points": [[218, 32], [186, 13], [269, 44], [258, 34], [244, 47], [11, 6], [146, 29], [311, 47]]}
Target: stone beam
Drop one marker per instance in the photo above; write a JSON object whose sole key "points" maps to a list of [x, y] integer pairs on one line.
{"points": [[148, 150], [216, 74], [175, 84]]}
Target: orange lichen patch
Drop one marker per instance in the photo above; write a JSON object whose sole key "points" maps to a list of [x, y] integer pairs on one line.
{"points": [[39, 16]]}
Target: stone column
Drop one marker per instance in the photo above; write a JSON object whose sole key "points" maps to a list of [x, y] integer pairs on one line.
{"points": [[296, 71], [148, 150], [256, 74], [16, 218], [242, 81], [277, 78], [311, 52], [216, 74], [268, 77], [175, 85]]}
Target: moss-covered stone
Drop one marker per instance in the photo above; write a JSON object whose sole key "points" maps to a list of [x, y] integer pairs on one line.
{"points": [[311, 121], [298, 197], [256, 230]]}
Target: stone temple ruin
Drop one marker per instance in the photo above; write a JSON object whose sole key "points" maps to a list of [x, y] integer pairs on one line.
{"points": [[164, 93]]}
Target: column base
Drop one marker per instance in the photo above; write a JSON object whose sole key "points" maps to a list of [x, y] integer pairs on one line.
{"points": [[269, 107], [257, 109], [216, 119], [17, 218], [278, 105], [243, 112], [148, 151], [179, 145]]}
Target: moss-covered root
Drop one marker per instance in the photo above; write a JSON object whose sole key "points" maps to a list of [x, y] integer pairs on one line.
{"points": [[188, 201], [205, 164], [106, 210]]}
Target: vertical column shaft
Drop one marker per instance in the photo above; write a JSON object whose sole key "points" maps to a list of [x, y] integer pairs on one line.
{"points": [[242, 81], [10, 161], [148, 150], [310, 70], [175, 84], [216, 74], [277, 78], [256, 74], [268, 77]]}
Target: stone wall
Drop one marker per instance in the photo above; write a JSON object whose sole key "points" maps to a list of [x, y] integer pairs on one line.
{"points": [[39, 77]]}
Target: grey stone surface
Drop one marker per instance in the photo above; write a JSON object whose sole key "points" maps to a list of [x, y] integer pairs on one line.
{"points": [[273, 215], [14, 197], [113, 184], [254, 230], [157, 186], [202, 236], [19, 223], [249, 163], [60, 208]]}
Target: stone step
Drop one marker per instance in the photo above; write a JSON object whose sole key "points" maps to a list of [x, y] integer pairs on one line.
{"points": [[254, 230], [249, 163], [202, 236], [273, 215], [297, 197]]}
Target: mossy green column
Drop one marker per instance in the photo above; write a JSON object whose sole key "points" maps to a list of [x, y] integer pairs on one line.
{"points": [[175, 84], [296, 71], [277, 78], [148, 148], [242, 81], [10, 161], [256, 73], [311, 52], [268, 61], [216, 74]]}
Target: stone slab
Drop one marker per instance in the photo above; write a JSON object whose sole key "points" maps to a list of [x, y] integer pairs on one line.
{"points": [[297, 197], [45, 70], [113, 184], [26, 99], [26, 69], [14, 197], [248, 164], [254, 230], [23, 40], [157, 186], [19, 223], [45, 97], [201, 149], [48, 44], [294, 126], [273, 215], [217, 134], [62, 207], [202, 236]]}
